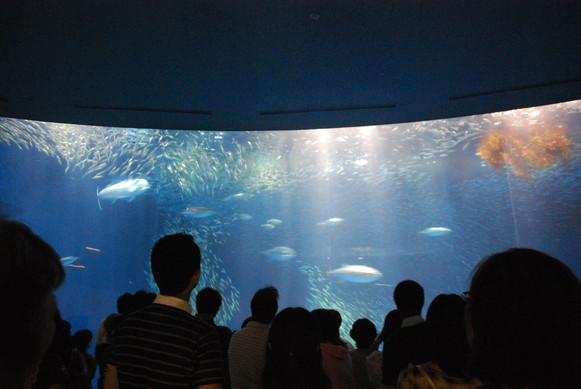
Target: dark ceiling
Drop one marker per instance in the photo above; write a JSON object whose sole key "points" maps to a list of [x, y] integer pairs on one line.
{"points": [[273, 64]]}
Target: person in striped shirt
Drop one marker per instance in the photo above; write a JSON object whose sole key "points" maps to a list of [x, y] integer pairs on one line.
{"points": [[163, 345]]}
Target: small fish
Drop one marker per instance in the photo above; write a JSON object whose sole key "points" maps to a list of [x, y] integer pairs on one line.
{"points": [[267, 226], [280, 253], [356, 273], [237, 197], [68, 260], [243, 216], [77, 266], [435, 231], [127, 189], [331, 222], [198, 212], [274, 222]]}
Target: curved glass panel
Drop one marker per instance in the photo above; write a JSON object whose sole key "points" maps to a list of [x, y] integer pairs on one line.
{"points": [[333, 218]]}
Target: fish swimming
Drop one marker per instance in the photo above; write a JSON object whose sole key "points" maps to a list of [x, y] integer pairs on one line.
{"points": [[198, 212], [435, 231], [237, 197], [267, 226], [274, 222], [356, 273], [280, 253], [331, 222], [68, 260], [243, 216], [127, 189]]}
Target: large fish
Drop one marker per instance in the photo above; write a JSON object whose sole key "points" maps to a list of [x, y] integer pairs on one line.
{"points": [[280, 253], [198, 212], [127, 189], [435, 231], [356, 273]]}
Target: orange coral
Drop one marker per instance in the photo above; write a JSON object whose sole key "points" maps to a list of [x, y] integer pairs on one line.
{"points": [[534, 147]]}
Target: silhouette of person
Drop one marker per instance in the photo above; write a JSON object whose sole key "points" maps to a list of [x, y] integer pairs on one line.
{"points": [[247, 351], [391, 323], [81, 365], [293, 356], [336, 359], [163, 345], [524, 314], [363, 332], [30, 271], [447, 369], [208, 303], [411, 343]]}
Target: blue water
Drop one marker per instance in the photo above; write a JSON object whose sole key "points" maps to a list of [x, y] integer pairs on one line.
{"points": [[386, 183]]}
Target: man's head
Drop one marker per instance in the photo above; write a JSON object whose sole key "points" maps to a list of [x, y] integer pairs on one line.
{"points": [[30, 270], [175, 264], [208, 302], [264, 304], [409, 298]]}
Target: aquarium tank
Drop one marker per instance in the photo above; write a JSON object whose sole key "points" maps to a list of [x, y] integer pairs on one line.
{"points": [[334, 218]]}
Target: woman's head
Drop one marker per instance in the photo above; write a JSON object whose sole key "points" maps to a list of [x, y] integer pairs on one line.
{"points": [[329, 323], [293, 357], [525, 310]]}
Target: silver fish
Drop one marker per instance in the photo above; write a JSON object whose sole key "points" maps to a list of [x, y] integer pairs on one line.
{"points": [[124, 190]]}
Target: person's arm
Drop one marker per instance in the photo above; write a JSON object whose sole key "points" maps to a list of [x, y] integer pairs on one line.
{"points": [[111, 378], [376, 343]]}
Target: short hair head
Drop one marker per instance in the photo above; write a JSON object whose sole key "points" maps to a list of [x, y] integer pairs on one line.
{"points": [[524, 309], [81, 340], [30, 270], [140, 299], [208, 301], [363, 332], [124, 303], [174, 261], [264, 304], [409, 298]]}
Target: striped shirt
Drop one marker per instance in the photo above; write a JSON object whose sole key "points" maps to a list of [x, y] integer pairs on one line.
{"points": [[161, 346]]}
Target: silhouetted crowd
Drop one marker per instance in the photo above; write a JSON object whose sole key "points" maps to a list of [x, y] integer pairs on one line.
{"points": [[518, 327]]}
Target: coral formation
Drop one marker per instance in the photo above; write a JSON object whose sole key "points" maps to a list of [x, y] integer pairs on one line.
{"points": [[523, 148]]}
